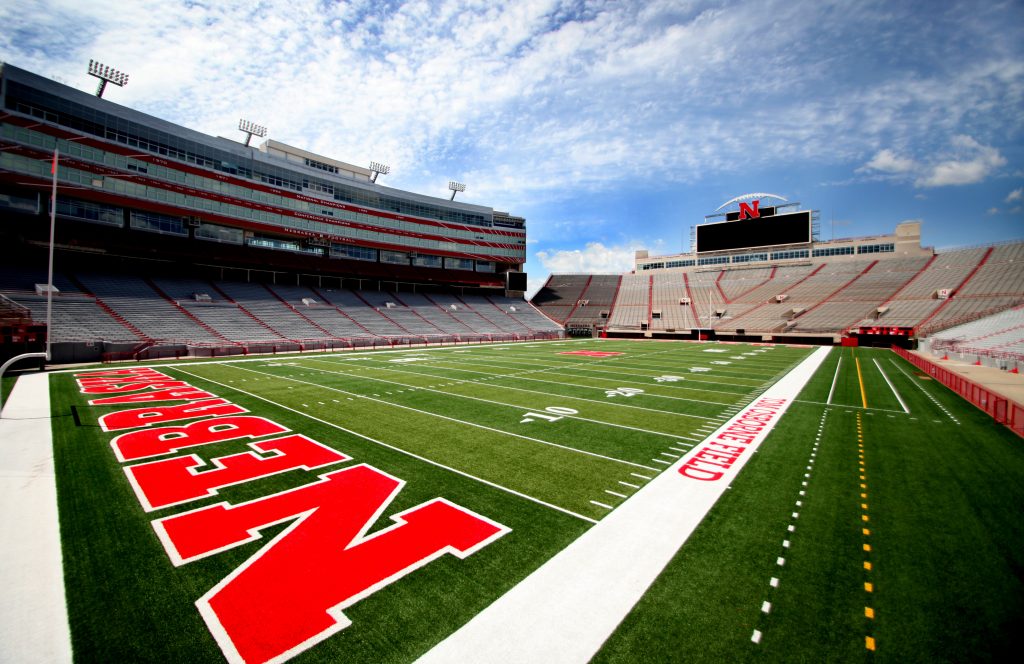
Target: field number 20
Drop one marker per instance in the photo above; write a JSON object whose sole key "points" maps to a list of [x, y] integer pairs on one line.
{"points": [[550, 414]]}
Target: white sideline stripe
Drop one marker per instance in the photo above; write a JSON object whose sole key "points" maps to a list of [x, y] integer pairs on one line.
{"points": [[33, 616], [571, 604], [892, 387], [398, 449], [834, 380]]}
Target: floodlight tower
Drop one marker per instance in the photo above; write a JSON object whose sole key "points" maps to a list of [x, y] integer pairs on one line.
{"points": [[455, 187], [251, 129], [106, 75], [378, 168]]}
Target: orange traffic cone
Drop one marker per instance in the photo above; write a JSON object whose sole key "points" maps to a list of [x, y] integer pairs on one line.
{"points": [[945, 357]]}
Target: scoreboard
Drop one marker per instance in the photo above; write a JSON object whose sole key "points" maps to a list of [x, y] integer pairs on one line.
{"points": [[766, 230]]}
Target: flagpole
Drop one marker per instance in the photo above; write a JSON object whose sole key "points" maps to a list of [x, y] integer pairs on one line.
{"points": [[49, 274]]}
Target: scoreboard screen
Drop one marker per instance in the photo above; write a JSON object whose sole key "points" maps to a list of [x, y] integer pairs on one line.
{"points": [[764, 231], [515, 281]]}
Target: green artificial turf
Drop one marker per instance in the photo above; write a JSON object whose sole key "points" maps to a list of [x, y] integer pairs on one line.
{"points": [[943, 529], [456, 422]]}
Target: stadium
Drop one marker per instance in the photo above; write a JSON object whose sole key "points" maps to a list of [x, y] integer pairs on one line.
{"points": [[261, 407]]}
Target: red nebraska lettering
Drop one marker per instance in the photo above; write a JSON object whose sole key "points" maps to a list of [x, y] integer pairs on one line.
{"points": [[290, 594], [140, 371], [173, 481], [177, 394], [161, 440], [133, 387], [143, 417]]}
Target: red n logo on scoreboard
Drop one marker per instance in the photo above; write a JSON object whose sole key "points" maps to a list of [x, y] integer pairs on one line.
{"points": [[750, 211]]}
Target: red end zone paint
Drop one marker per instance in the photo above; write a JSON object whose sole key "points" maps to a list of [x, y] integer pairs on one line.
{"points": [[290, 594], [590, 353], [717, 454]]}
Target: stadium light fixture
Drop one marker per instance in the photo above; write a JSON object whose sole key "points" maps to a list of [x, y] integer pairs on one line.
{"points": [[106, 75], [251, 129], [378, 168], [455, 187]]}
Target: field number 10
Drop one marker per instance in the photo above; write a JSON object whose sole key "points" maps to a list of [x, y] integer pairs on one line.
{"points": [[550, 414]]}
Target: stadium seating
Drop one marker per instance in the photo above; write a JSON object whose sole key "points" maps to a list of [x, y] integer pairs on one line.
{"points": [[633, 303], [822, 298], [595, 303], [139, 306], [561, 295], [999, 335], [825, 297]]}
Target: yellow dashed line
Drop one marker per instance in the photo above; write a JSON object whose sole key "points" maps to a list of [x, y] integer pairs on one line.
{"points": [[869, 587]]}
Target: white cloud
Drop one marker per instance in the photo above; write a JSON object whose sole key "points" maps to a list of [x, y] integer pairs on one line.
{"points": [[993, 210], [888, 161], [522, 98], [595, 257], [973, 164], [1015, 195]]}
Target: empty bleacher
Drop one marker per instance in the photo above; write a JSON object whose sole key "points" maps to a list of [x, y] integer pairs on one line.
{"points": [[522, 315], [362, 314], [434, 315], [1000, 335], [596, 302], [561, 295], [670, 307], [140, 306], [174, 314], [632, 306], [826, 297], [461, 311], [391, 307]]}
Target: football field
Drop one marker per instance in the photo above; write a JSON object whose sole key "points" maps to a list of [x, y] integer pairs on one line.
{"points": [[367, 506]]}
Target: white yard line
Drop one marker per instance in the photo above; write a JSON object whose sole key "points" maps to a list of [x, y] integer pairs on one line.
{"points": [[835, 379], [494, 377], [721, 371], [892, 387], [928, 394], [502, 403], [840, 405], [393, 447], [572, 369], [522, 376], [569, 606], [33, 618], [444, 417]]}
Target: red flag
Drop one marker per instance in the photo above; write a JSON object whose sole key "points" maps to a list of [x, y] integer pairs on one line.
{"points": [[53, 166]]}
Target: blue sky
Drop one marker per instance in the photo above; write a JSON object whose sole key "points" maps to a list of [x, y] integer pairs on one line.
{"points": [[610, 126]]}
